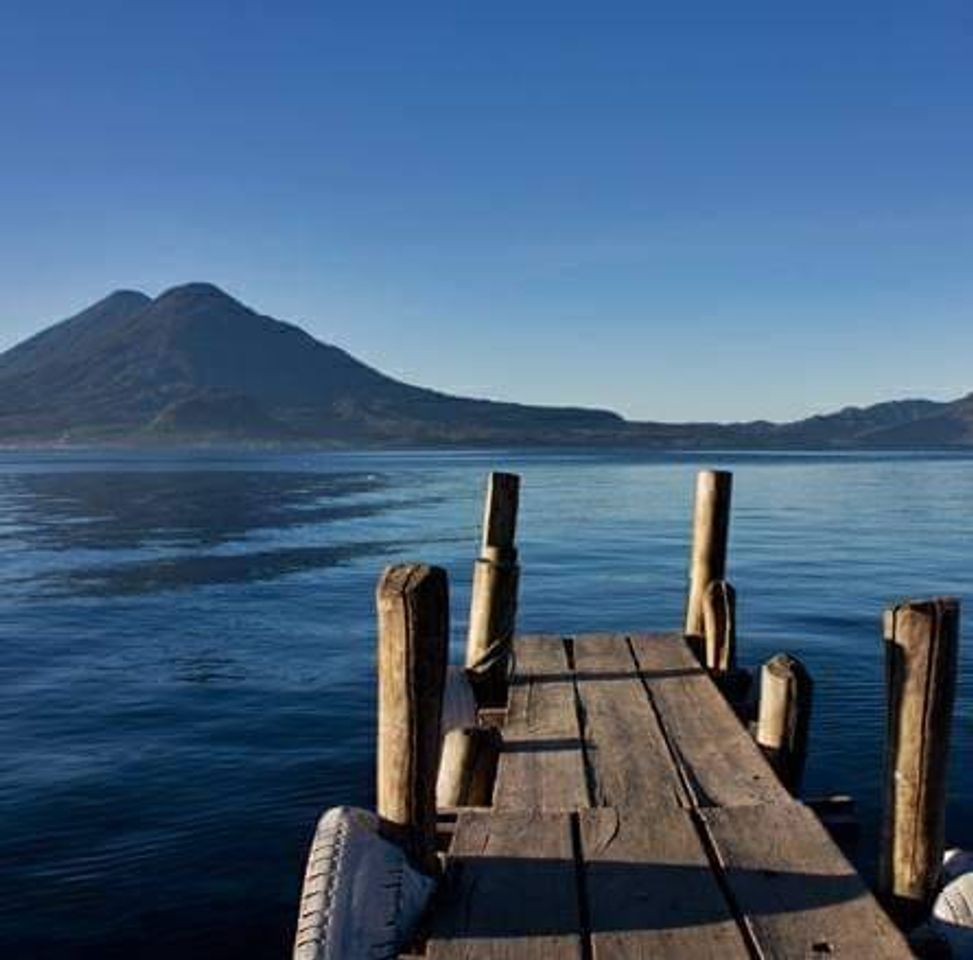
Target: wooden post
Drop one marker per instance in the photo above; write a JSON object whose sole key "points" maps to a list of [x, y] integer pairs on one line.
{"points": [[921, 650], [500, 517], [711, 525], [493, 604], [413, 633], [784, 717], [719, 627], [468, 768]]}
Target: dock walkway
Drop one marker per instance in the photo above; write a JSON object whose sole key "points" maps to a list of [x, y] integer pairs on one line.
{"points": [[634, 816]]}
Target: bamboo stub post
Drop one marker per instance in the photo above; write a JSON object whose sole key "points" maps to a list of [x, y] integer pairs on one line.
{"points": [[493, 602], [711, 527], [413, 633], [784, 717], [719, 627], [921, 640]]}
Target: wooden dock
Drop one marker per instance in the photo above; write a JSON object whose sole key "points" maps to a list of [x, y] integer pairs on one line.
{"points": [[634, 816], [599, 797]]}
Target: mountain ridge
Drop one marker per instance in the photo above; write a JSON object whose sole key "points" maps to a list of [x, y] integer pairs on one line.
{"points": [[196, 366]]}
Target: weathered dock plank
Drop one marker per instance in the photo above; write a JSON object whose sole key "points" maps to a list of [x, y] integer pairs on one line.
{"points": [[634, 817], [510, 890], [628, 761], [722, 765], [798, 894], [541, 766], [651, 890]]}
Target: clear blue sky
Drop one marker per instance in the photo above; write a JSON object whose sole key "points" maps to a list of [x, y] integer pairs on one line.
{"points": [[676, 210]]}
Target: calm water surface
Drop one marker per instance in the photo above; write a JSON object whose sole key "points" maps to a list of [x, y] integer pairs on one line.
{"points": [[187, 649]]}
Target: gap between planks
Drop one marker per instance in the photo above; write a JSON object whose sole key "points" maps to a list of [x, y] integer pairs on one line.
{"points": [[701, 825]]}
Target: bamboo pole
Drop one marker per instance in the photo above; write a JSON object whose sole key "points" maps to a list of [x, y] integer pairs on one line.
{"points": [[719, 627], [784, 717], [711, 525], [921, 640], [493, 603], [413, 629]]}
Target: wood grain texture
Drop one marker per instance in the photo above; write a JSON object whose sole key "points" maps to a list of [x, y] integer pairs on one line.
{"points": [[634, 817], [413, 628], [785, 716], [493, 617], [799, 895], [541, 765], [721, 763], [493, 598], [510, 891], [711, 528], [500, 515], [719, 627], [628, 762], [922, 638], [468, 767], [651, 890]]}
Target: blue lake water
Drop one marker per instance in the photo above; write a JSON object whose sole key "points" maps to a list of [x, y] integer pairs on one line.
{"points": [[187, 648]]}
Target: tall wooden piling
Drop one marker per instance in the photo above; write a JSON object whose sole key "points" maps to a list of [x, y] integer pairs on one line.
{"points": [[711, 526], [493, 604], [921, 640], [784, 717], [719, 627], [413, 627]]}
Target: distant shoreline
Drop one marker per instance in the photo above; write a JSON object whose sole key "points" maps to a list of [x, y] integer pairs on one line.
{"points": [[195, 368], [594, 449]]}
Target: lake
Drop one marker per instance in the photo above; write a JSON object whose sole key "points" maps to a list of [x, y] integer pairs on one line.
{"points": [[187, 648]]}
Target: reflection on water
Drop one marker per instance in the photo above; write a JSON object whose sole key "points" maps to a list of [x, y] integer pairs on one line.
{"points": [[180, 572], [104, 511], [187, 649], [149, 519]]}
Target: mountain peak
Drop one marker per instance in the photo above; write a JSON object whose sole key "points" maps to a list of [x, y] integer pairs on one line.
{"points": [[197, 364], [124, 299], [195, 292], [128, 293]]}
